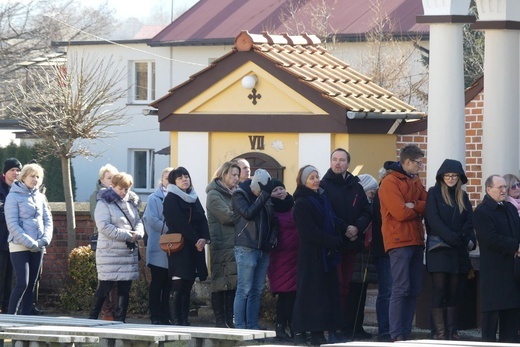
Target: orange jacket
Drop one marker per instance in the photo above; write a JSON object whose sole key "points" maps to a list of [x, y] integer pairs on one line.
{"points": [[402, 226]]}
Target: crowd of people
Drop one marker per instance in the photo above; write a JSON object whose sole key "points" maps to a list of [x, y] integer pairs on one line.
{"points": [[318, 249]]}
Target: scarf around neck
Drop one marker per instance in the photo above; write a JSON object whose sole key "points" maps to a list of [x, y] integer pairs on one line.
{"points": [[190, 197]]}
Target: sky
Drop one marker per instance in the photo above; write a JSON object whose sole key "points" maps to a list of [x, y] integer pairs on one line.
{"points": [[142, 9]]}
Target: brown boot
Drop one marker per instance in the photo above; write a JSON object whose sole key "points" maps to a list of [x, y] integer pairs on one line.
{"points": [[438, 324]]}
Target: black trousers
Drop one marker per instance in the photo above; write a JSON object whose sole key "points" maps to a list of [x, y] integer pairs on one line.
{"points": [[6, 279], [159, 294], [508, 320]]}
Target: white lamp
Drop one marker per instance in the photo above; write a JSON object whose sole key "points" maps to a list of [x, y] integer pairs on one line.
{"points": [[249, 81]]}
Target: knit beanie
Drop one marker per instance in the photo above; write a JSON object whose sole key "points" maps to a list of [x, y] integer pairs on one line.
{"points": [[10, 163], [260, 176], [368, 182], [278, 183]]}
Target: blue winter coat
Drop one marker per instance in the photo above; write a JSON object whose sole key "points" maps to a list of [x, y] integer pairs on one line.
{"points": [[28, 216], [153, 220]]}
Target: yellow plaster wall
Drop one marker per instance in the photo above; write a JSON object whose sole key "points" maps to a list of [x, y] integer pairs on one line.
{"points": [[369, 152], [174, 154], [283, 147], [227, 96]]}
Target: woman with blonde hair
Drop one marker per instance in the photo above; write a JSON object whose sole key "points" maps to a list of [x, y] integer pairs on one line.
{"points": [[29, 221], [513, 190], [156, 258], [120, 227], [222, 230], [449, 225]]}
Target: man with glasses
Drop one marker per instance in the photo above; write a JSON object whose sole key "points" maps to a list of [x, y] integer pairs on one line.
{"points": [[497, 225], [403, 203]]}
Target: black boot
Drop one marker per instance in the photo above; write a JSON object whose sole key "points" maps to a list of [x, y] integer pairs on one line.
{"points": [[229, 303], [438, 324], [96, 306], [122, 307], [317, 338], [185, 308], [451, 323], [281, 334], [175, 307], [217, 302]]}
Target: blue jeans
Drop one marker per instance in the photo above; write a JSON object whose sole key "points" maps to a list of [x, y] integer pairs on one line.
{"points": [[406, 265], [26, 267], [252, 268], [384, 290]]}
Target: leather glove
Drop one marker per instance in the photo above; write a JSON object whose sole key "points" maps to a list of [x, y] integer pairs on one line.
{"points": [[41, 243], [268, 187]]}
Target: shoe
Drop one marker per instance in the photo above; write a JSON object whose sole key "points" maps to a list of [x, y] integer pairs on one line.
{"points": [[384, 338], [36, 312], [317, 338], [156, 322], [338, 338], [300, 339], [362, 335]]}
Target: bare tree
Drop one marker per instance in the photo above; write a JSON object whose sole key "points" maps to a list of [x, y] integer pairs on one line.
{"points": [[28, 27], [391, 62], [68, 110]]}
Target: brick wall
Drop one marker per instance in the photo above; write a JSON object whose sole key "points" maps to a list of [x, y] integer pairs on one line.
{"points": [[474, 116]]}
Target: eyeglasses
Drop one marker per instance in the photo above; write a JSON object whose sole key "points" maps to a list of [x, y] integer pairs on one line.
{"points": [[418, 162], [516, 186], [501, 187], [451, 177]]}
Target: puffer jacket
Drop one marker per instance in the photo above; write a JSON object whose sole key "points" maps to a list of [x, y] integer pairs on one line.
{"points": [[401, 226], [222, 231], [114, 260], [153, 220], [28, 216], [256, 225]]}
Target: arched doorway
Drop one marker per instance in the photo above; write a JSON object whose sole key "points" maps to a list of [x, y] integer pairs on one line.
{"points": [[263, 161]]}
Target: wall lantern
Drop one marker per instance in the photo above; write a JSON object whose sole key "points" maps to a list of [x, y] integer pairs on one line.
{"points": [[249, 81]]}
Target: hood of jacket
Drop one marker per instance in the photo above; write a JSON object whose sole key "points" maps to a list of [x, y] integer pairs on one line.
{"points": [[338, 178], [451, 165], [21, 188], [215, 184], [110, 196]]}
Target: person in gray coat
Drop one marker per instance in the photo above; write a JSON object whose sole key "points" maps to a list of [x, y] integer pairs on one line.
{"points": [[156, 258], [29, 222], [222, 231], [120, 227]]}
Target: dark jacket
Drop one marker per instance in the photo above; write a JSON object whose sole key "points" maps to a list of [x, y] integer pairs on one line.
{"points": [[448, 222], [222, 230], [189, 219], [4, 190], [498, 233], [317, 305], [378, 247], [256, 225], [349, 202]]}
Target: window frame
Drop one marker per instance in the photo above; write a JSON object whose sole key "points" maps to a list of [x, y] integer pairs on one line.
{"points": [[149, 173], [150, 82]]}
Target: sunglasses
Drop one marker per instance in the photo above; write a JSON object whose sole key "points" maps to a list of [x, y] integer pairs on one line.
{"points": [[516, 186]]}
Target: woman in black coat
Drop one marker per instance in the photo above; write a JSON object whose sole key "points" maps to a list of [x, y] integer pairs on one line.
{"points": [[317, 305], [183, 213], [448, 216]]}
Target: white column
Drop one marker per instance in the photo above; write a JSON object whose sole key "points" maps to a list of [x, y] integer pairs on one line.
{"points": [[193, 154], [446, 113], [500, 146]]}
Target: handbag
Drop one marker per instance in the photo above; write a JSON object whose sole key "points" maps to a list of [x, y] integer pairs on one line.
{"points": [[171, 243], [435, 242]]}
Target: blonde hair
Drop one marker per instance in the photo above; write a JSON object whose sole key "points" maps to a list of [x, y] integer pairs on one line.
{"points": [[459, 195], [123, 180], [166, 170], [29, 169], [225, 168], [510, 180], [107, 168]]}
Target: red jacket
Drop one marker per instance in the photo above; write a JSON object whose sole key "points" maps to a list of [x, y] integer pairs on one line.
{"points": [[402, 226]]}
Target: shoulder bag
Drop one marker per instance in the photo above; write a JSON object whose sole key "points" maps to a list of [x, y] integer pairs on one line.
{"points": [[172, 243]]}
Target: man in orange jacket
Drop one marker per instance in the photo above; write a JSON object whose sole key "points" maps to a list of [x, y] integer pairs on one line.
{"points": [[403, 202]]}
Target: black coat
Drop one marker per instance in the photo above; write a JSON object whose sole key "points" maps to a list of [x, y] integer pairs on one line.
{"points": [[4, 190], [317, 305], [453, 227], [349, 202], [190, 220], [378, 247], [498, 234]]}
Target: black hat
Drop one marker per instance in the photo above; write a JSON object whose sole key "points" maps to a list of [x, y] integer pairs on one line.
{"points": [[278, 183], [10, 163]]}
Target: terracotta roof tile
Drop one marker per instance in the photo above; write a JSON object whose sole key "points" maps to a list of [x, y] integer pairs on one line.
{"points": [[316, 67]]}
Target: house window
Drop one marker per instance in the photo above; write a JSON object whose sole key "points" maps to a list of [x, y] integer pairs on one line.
{"points": [[143, 88], [142, 168]]}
